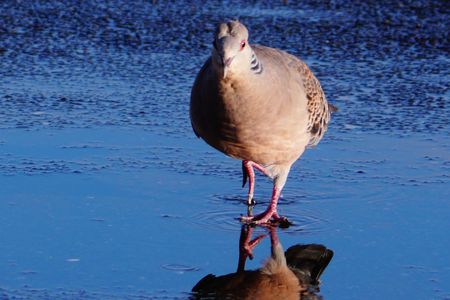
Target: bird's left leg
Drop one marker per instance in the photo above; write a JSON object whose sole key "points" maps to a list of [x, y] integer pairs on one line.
{"points": [[248, 172]]}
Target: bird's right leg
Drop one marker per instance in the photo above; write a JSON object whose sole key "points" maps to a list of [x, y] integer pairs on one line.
{"points": [[248, 172]]}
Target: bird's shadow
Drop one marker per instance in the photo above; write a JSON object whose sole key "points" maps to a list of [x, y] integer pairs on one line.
{"points": [[291, 274]]}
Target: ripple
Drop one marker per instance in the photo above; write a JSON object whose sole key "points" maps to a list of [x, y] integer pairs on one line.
{"points": [[223, 220], [30, 166], [179, 268], [67, 294], [304, 221], [230, 199], [136, 61]]}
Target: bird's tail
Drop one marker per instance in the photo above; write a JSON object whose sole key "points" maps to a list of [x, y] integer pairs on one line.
{"points": [[308, 261], [332, 108]]}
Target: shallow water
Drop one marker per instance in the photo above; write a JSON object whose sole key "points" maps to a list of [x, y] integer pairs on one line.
{"points": [[107, 194]]}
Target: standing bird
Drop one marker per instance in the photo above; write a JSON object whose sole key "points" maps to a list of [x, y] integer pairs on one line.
{"points": [[259, 105]]}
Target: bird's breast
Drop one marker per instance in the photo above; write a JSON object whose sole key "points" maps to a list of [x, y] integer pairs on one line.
{"points": [[247, 121]]}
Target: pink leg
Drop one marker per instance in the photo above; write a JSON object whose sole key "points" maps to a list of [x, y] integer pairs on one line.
{"points": [[270, 213], [247, 171]]}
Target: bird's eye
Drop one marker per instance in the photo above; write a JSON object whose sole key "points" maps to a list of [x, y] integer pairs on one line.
{"points": [[243, 43]]}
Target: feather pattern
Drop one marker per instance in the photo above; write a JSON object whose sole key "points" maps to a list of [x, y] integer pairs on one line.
{"points": [[255, 65]]}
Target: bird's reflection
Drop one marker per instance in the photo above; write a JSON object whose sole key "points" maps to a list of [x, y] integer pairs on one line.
{"points": [[293, 274]]}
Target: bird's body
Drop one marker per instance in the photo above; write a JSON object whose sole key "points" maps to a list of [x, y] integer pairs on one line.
{"points": [[244, 114], [260, 105]]}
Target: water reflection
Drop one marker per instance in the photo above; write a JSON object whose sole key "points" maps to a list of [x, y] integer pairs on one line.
{"points": [[293, 274]]}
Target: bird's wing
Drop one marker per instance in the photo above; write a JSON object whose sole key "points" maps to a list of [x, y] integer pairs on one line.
{"points": [[318, 108], [291, 68]]}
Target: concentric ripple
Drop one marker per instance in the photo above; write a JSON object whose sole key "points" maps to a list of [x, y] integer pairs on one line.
{"points": [[304, 222], [179, 268], [224, 219]]}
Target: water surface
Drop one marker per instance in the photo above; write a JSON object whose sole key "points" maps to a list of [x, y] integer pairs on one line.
{"points": [[107, 194]]}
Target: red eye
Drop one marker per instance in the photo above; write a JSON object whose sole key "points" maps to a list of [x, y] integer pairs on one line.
{"points": [[243, 44]]}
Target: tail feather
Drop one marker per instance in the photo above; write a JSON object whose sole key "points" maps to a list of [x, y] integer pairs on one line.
{"points": [[308, 261], [333, 108]]}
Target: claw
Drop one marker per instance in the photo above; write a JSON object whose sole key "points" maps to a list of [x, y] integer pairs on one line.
{"points": [[270, 216], [265, 218], [281, 222]]}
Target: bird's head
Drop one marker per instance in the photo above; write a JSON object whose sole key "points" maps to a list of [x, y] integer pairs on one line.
{"points": [[231, 51]]}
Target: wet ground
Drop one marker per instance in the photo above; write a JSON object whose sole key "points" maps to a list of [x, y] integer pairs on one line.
{"points": [[107, 194]]}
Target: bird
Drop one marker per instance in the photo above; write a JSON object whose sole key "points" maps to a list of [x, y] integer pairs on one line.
{"points": [[293, 274], [260, 105]]}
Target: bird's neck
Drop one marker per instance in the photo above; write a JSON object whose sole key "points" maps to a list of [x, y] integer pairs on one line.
{"points": [[256, 66], [250, 65]]}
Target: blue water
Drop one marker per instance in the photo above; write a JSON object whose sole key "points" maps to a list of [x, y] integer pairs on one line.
{"points": [[107, 194]]}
